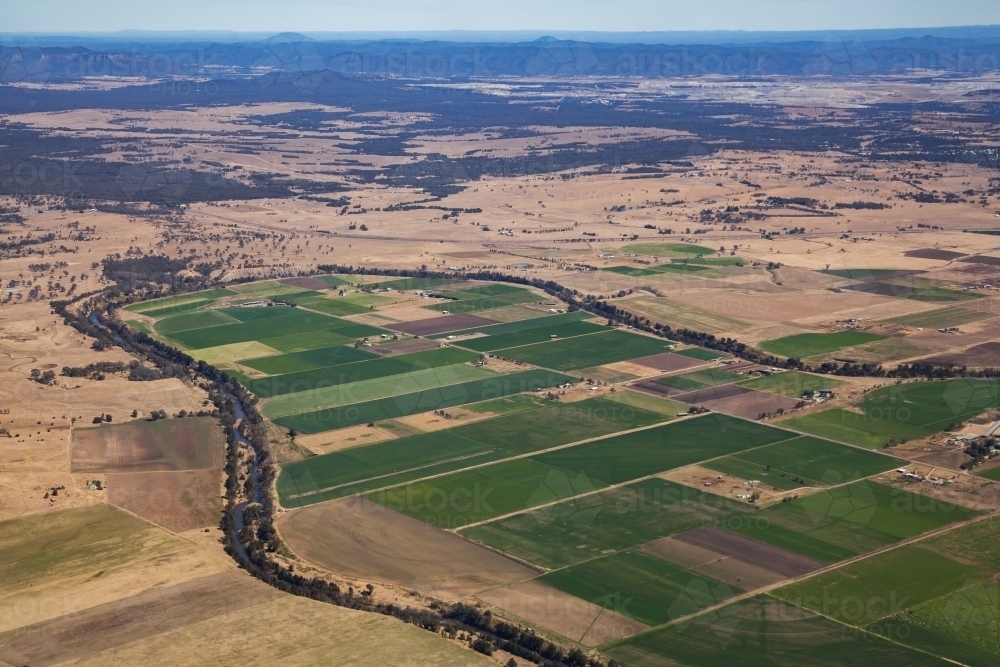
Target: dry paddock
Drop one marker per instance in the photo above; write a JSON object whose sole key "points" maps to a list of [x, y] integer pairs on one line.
{"points": [[360, 539]]}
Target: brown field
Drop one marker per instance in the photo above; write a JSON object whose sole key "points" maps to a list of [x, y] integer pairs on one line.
{"points": [[731, 486], [178, 500], [62, 562], [435, 325], [23, 492], [721, 567], [357, 538], [984, 355], [738, 401], [934, 253], [751, 551], [191, 443], [345, 438], [656, 388], [566, 615]]}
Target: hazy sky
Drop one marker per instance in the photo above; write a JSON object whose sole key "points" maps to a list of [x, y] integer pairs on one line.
{"points": [[403, 15]]}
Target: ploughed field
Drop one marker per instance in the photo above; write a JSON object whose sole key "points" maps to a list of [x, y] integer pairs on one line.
{"points": [[568, 513]]}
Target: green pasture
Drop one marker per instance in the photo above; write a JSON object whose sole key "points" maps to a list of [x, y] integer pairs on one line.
{"points": [[579, 529], [640, 586], [585, 351], [812, 344]]}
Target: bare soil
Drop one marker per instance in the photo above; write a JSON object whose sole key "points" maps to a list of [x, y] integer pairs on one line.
{"points": [[177, 500], [435, 325], [357, 538], [191, 443], [567, 615], [721, 567], [751, 551], [405, 346]]}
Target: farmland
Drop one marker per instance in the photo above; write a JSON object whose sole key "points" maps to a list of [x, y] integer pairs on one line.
{"points": [[843, 521], [422, 401], [803, 462], [530, 336], [586, 351], [759, 632], [792, 384], [516, 433], [710, 377], [903, 412], [641, 586], [813, 344], [624, 517]]}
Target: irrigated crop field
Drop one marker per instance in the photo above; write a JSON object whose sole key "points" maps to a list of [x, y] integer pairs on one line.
{"points": [[612, 504]]}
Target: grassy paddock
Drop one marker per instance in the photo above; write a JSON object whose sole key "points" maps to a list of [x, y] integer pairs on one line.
{"points": [[812, 344]]}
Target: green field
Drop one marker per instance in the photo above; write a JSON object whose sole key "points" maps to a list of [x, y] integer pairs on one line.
{"points": [[951, 316], [402, 284], [888, 583], [166, 303], [903, 412], [812, 344], [531, 336], [580, 529], [336, 306], [977, 542], [483, 298], [586, 351], [841, 522], [308, 360], [803, 462], [648, 589], [527, 427], [709, 377], [579, 469], [659, 269], [668, 249], [265, 288], [633, 455], [701, 353], [370, 390], [484, 493], [792, 384], [194, 320], [355, 371], [519, 325], [267, 323], [421, 401], [335, 281], [763, 632], [559, 425]]}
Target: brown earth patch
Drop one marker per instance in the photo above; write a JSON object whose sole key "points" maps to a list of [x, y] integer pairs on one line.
{"points": [[667, 362], [984, 355], [982, 259], [751, 551], [78, 635], [436, 325], [429, 421], [358, 538], [932, 451], [345, 438], [934, 253], [730, 486], [177, 500], [749, 404], [142, 446], [727, 569], [567, 615], [405, 346], [713, 394], [656, 388]]}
